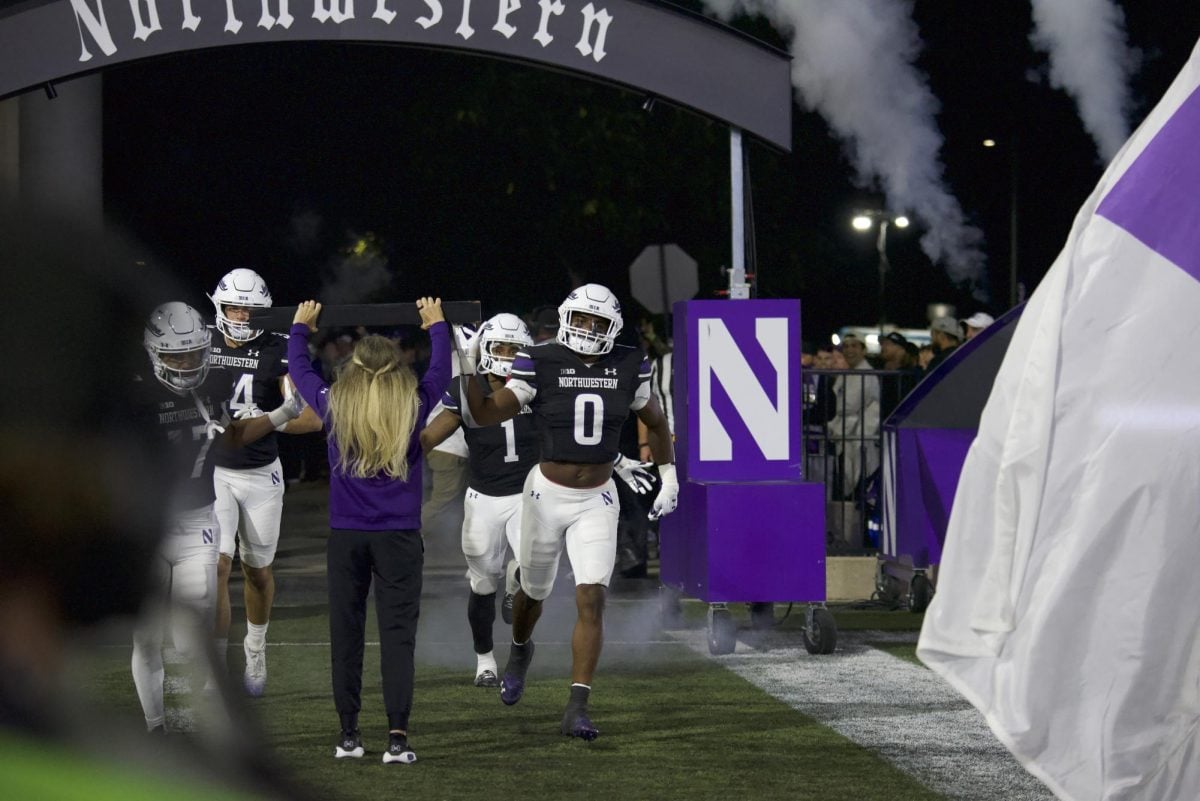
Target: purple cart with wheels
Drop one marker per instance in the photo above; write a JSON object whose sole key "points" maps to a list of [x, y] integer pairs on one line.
{"points": [[749, 529]]}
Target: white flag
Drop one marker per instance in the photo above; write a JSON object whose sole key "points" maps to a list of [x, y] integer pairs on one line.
{"points": [[1068, 602]]}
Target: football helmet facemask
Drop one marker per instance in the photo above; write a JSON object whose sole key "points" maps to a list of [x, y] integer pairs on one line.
{"points": [[597, 301], [240, 287], [178, 343], [503, 329]]}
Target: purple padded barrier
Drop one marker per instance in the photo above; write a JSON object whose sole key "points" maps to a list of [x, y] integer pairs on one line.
{"points": [[747, 528], [743, 542]]}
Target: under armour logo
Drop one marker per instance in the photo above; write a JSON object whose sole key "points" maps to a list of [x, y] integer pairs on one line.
{"points": [[274, 476], [473, 495], [610, 371], [207, 535], [252, 353], [535, 495], [608, 499]]}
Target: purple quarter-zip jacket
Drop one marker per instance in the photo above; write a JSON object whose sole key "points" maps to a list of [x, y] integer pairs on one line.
{"points": [[380, 503]]}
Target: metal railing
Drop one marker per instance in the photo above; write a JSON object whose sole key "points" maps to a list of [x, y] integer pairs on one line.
{"points": [[843, 416]]}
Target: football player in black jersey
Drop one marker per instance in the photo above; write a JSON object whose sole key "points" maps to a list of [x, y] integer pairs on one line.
{"points": [[186, 403], [500, 457], [249, 481], [581, 387]]}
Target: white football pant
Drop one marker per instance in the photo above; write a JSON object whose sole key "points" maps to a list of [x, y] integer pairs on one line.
{"points": [[584, 520], [490, 524], [254, 498], [184, 578]]}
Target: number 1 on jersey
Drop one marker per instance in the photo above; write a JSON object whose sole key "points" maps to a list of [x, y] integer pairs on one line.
{"points": [[510, 440]]}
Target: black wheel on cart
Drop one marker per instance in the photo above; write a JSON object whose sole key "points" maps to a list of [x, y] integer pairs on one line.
{"points": [[820, 631], [920, 593], [722, 634]]}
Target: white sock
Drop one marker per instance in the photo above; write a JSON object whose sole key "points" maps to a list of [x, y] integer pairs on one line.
{"points": [[485, 662], [256, 635]]}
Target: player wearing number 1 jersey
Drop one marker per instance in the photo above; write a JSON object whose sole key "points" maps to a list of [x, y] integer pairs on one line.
{"points": [[581, 389], [249, 481], [500, 457]]}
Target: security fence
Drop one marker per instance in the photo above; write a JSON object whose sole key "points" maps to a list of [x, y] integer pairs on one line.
{"points": [[843, 415]]}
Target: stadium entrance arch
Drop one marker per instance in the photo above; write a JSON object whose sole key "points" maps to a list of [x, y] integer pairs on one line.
{"points": [[653, 48]]}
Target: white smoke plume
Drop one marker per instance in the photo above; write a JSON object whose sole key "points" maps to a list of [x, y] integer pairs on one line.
{"points": [[358, 274], [1091, 61], [853, 63]]}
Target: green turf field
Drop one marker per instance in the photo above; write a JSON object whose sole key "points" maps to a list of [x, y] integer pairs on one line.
{"points": [[675, 725]]}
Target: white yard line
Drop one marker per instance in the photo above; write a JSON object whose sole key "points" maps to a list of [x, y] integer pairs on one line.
{"points": [[891, 706]]}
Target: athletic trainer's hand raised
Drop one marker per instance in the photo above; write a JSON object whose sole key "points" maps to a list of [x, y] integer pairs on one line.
{"points": [[431, 312], [307, 313]]}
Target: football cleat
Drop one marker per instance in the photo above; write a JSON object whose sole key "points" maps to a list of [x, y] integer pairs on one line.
{"points": [[255, 677], [399, 751], [349, 746], [578, 724], [487, 678], [513, 686]]}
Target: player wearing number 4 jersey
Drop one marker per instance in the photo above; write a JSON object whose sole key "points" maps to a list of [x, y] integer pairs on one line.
{"points": [[249, 481], [581, 388], [500, 458]]}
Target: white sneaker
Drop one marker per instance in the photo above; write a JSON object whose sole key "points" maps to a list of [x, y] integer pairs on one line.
{"points": [[255, 677]]}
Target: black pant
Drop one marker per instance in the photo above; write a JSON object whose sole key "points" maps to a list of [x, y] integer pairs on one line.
{"points": [[394, 559]]}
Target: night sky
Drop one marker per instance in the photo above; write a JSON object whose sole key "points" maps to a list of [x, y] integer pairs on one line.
{"points": [[479, 179]]}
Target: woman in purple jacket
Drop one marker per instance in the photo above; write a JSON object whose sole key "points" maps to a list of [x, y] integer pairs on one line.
{"points": [[373, 414]]}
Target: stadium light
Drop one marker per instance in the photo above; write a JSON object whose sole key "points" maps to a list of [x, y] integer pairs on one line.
{"points": [[862, 223]]}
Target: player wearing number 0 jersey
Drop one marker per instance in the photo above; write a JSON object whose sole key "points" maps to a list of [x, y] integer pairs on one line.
{"points": [[187, 404], [581, 388], [499, 459], [249, 481]]}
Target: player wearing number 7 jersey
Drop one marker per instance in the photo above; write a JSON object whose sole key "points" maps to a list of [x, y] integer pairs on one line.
{"points": [[581, 389], [500, 458], [185, 403]]}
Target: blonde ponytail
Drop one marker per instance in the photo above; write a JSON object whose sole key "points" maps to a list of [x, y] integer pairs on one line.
{"points": [[373, 411]]}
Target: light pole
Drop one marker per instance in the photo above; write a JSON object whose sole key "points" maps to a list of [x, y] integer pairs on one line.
{"points": [[1013, 176], [862, 222]]}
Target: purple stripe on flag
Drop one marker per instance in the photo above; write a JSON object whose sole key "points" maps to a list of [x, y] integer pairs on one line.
{"points": [[1156, 199]]}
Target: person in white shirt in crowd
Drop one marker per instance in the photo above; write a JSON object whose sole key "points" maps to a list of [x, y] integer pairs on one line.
{"points": [[854, 428]]}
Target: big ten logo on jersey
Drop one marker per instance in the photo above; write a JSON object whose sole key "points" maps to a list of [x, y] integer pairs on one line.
{"points": [[743, 391]]}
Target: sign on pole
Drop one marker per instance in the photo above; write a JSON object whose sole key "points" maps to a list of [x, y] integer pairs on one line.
{"points": [[663, 275]]}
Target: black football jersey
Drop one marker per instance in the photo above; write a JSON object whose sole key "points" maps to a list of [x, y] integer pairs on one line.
{"points": [[180, 426], [501, 456], [579, 408], [255, 369]]}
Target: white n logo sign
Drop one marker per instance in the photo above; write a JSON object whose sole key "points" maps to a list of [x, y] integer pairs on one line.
{"points": [[767, 416]]}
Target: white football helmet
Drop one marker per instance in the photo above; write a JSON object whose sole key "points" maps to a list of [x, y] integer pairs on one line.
{"points": [[178, 343], [503, 328], [240, 287], [596, 300]]}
